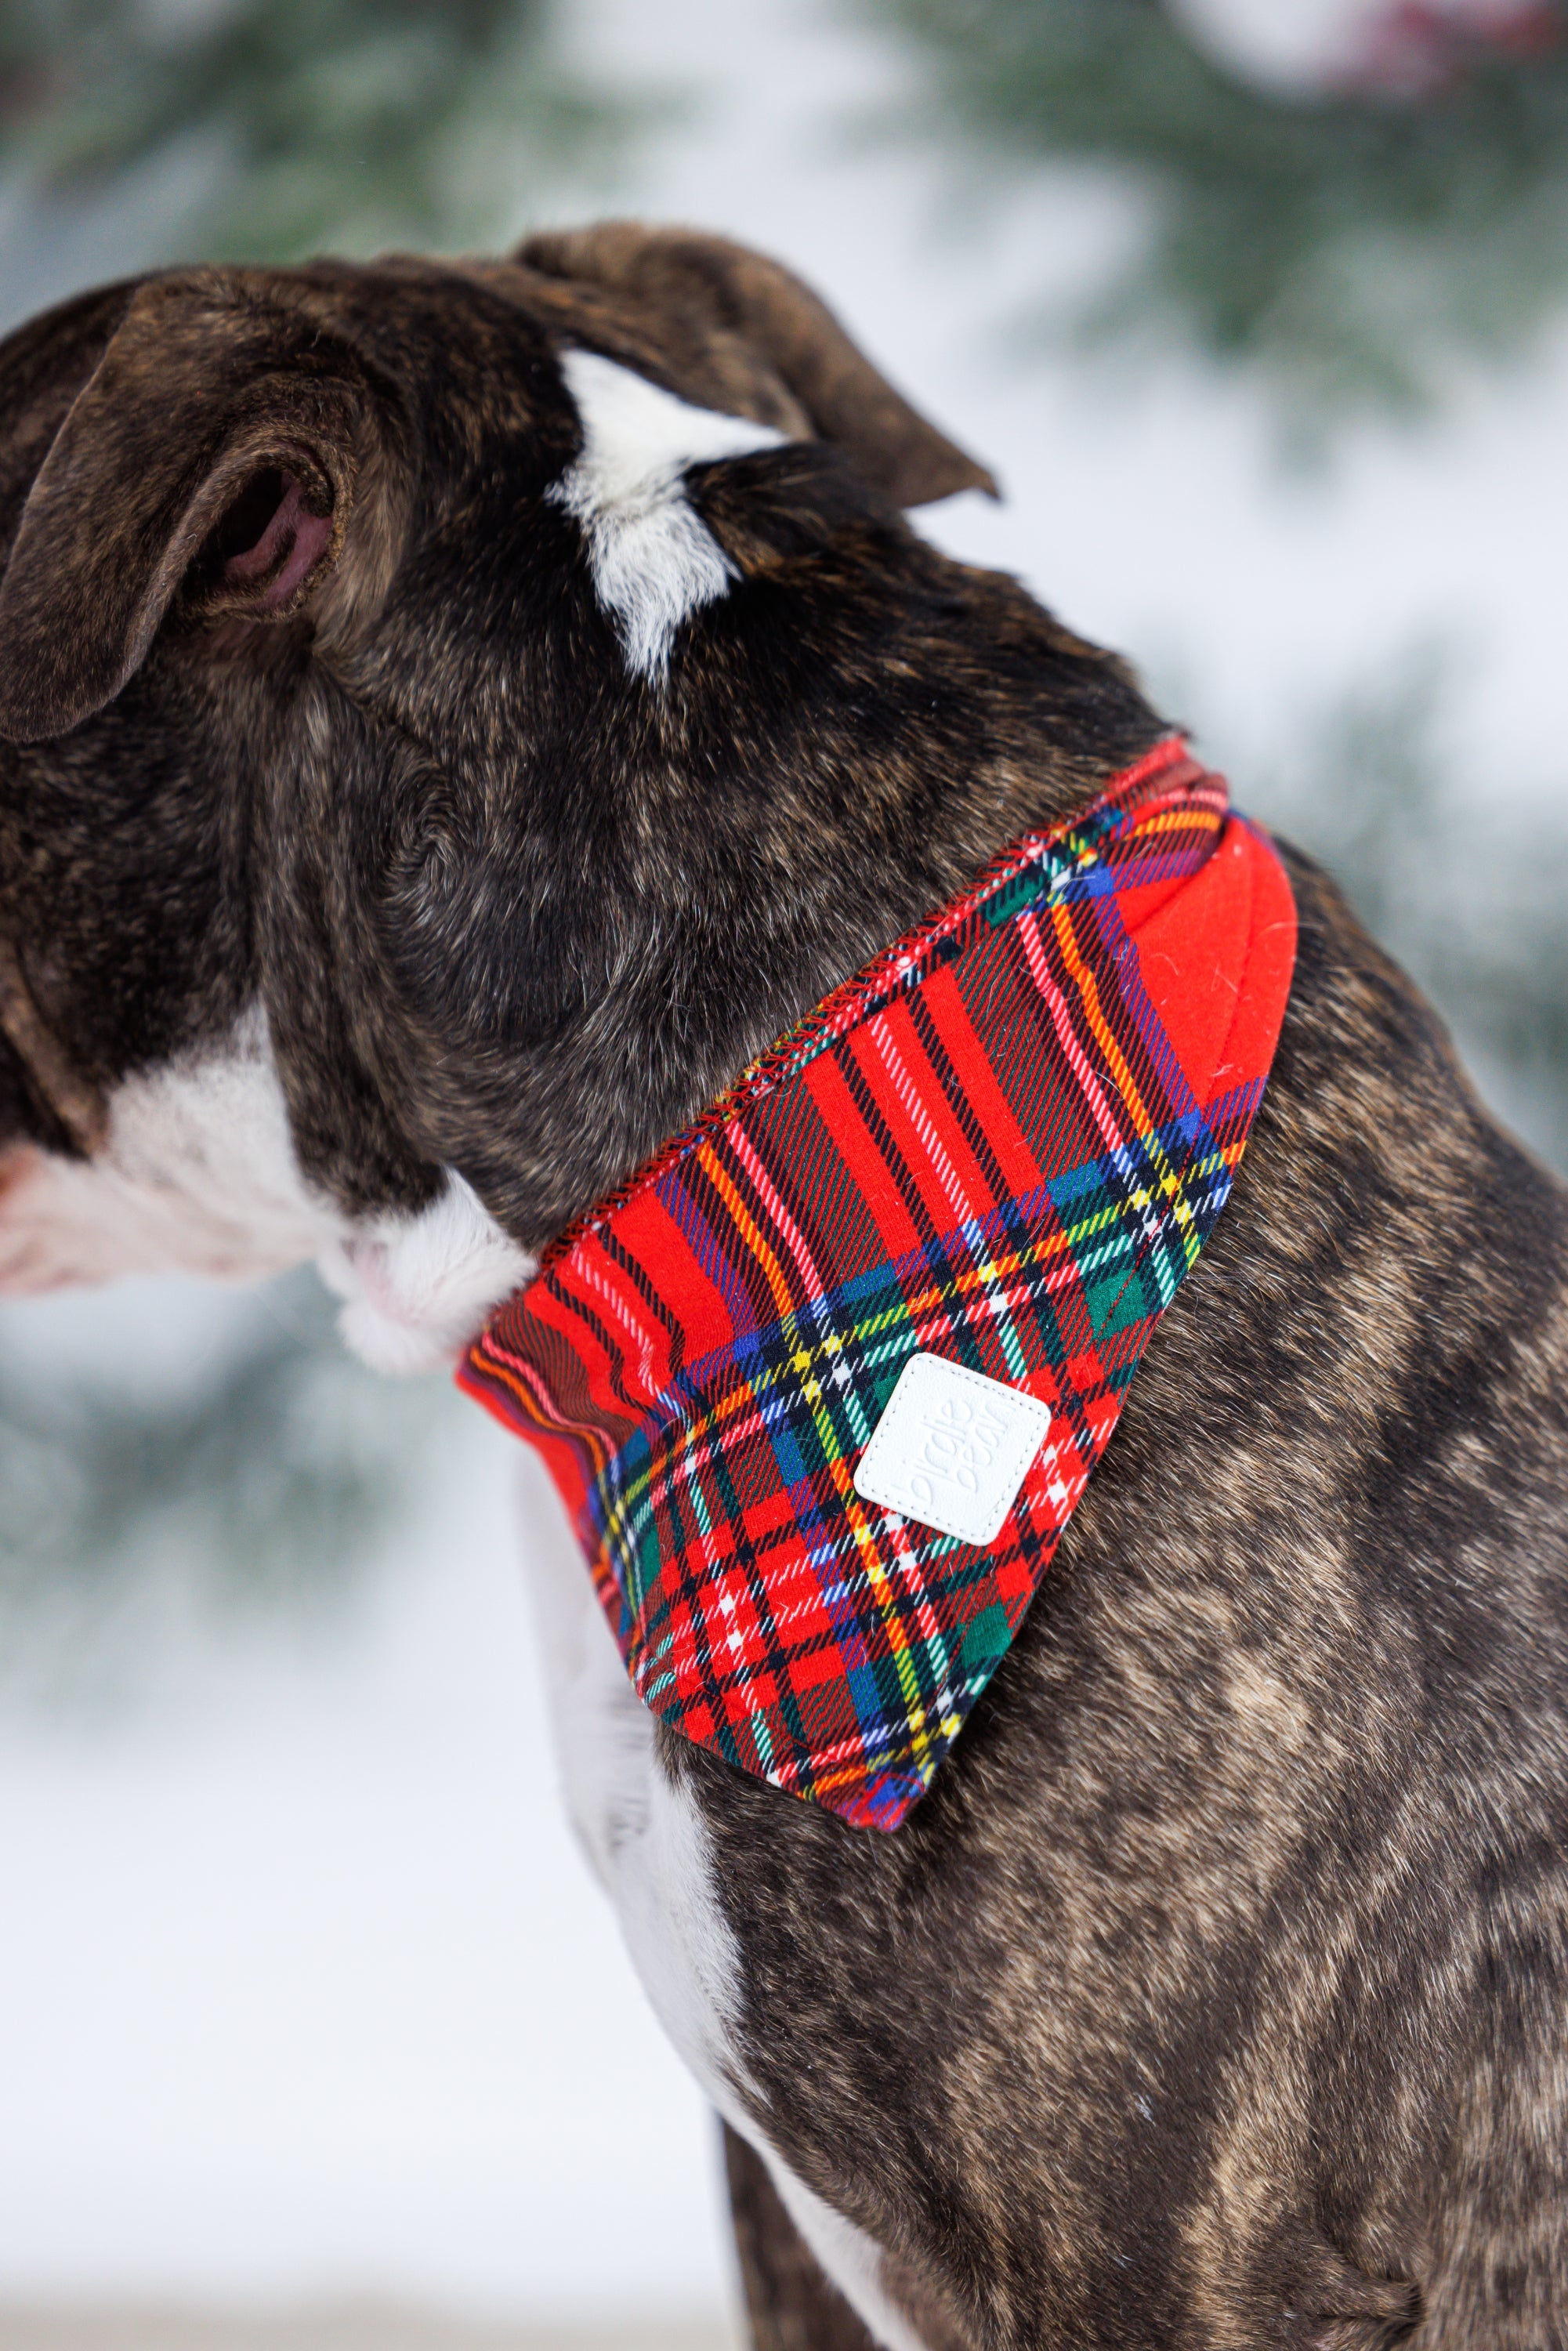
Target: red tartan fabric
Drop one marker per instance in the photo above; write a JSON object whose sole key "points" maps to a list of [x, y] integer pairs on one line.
{"points": [[1004, 1144]]}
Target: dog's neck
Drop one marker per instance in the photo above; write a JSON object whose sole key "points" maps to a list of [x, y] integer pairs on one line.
{"points": [[709, 854], [715, 937]]}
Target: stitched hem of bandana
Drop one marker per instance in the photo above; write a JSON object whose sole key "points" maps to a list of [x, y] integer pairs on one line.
{"points": [[1034, 868]]}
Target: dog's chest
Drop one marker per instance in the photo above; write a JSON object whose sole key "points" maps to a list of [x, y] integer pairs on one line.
{"points": [[648, 1845]]}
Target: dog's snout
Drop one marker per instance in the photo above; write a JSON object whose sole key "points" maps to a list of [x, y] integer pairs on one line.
{"points": [[17, 1162], [28, 1263]]}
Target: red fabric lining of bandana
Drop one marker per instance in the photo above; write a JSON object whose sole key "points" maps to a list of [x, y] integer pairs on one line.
{"points": [[1004, 1143]]}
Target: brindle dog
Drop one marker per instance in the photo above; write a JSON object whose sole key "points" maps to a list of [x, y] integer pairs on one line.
{"points": [[455, 715]]}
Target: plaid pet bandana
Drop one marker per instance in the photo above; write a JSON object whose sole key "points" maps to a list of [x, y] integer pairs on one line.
{"points": [[975, 1174]]}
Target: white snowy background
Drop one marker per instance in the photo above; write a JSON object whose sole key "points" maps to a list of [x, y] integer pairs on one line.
{"points": [[304, 1992]]}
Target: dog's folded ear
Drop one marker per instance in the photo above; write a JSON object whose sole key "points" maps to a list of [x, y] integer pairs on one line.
{"points": [[718, 309], [210, 459]]}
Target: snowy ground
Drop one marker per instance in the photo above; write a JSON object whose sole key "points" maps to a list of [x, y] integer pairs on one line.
{"points": [[305, 1990], [304, 1993], [365, 2326]]}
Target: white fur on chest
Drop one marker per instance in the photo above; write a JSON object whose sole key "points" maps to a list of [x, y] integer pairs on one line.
{"points": [[649, 1849], [642, 1834]]}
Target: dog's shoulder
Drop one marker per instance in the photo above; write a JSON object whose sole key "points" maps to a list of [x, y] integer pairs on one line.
{"points": [[1191, 1940]]}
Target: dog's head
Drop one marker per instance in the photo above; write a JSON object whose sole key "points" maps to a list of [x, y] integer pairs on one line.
{"points": [[440, 706], [360, 817]]}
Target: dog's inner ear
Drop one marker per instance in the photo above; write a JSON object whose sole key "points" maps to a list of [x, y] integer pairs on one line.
{"points": [[266, 545], [207, 469]]}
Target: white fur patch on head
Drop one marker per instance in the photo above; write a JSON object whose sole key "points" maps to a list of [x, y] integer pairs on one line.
{"points": [[655, 561], [418, 1288], [196, 1173]]}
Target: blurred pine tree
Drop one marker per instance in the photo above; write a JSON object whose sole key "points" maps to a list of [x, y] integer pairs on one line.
{"points": [[349, 123], [263, 1484], [1471, 906], [1345, 239]]}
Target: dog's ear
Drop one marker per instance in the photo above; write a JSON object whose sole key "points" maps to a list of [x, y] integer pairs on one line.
{"points": [[717, 310], [211, 458]]}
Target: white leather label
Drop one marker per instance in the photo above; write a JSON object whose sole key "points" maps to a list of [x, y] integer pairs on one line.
{"points": [[952, 1449]]}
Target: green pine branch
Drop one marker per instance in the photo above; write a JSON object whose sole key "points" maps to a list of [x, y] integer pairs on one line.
{"points": [[347, 124], [272, 1483], [1371, 795], [1346, 245]]}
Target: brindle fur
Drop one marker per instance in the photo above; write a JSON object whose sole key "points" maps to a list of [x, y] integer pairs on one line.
{"points": [[792, 2306], [1215, 1995]]}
